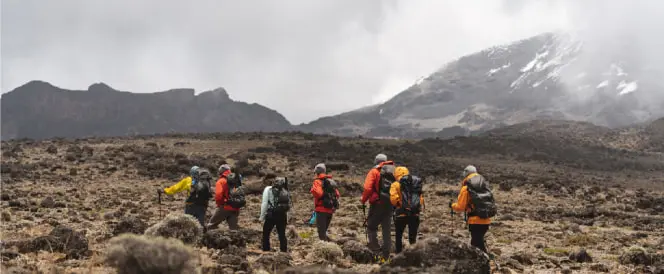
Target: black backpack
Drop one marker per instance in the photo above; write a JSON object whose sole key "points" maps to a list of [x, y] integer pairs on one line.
{"points": [[281, 199], [201, 191], [411, 192], [385, 182], [330, 193], [481, 198], [236, 191]]}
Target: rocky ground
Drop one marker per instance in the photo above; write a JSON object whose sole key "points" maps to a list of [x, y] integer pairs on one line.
{"points": [[568, 203]]}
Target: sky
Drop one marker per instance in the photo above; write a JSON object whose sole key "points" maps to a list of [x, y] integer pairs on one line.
{"points": [[303, 58]]}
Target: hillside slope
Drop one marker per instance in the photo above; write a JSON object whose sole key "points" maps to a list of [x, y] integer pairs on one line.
{"points": [[41, 110], [552, 76]]}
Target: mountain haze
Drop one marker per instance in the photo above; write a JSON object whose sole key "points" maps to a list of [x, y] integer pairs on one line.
{"points": [[549, 76], [41, 110]]}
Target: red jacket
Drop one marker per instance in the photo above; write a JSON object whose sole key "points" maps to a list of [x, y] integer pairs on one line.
{"points": [[371, 184], [221, 192], [317, 192]]}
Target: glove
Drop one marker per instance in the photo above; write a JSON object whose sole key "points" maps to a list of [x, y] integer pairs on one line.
{"points": [[364, 206], [450, 204], [160, 191]]}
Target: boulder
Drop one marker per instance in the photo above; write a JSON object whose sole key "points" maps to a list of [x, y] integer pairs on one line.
{"points": [[440, 254], [130, 224], [358, 252], [221, 239]]}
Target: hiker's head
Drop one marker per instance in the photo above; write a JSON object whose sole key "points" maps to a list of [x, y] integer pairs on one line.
{"points": [[469, 170], [320, 169], [280, 182], [400, 172], [193, 170], [223, 168], [380, 158]]}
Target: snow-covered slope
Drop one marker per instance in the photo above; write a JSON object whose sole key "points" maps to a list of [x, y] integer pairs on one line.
{"points": [[547, 76]]}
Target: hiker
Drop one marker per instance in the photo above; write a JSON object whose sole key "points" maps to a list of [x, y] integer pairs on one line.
{"points": [[326, 199], [275, 205], [377, 191], [198, 195], [406, 197], [229, 197], [475, 189]]}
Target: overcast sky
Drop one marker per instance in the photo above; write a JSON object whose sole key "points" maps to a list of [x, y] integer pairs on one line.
{"points": [[304, 58]]}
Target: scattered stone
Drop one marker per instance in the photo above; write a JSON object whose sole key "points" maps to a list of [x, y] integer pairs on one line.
{"points": [[5, 197], [599, 267], [273, 262], [317, 269], [523, 258], [61, 239], [130, 224], [6, 217], [444, 254], [635, 256], [221, 239], [581, 256], [52, 149], [358, 252], [47, 202]]}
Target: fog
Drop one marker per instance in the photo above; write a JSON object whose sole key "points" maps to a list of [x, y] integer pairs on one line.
{"points": [[303, 58]]}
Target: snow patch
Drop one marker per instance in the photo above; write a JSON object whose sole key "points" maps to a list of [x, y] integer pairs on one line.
{"points": [[380, 111], [603, 84], [626, 88], [535, 61], [492, 71]]}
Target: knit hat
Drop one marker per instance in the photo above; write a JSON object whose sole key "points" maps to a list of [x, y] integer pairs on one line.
{"points": [[380, 158], [320, 168], [469, 170], [223, 168], [193, 170]]}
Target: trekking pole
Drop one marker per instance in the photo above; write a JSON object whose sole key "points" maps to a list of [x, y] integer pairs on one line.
{"points": [[159, 199], [364, 212]]}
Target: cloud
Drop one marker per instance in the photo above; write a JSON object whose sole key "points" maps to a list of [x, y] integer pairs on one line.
{"points": [[304, 58]]}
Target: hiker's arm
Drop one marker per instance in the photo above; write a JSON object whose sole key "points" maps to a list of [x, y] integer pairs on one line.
{"points": [[317, 189], [395, 191], [264, 201], [462, 200], [180, 186], [368, 186]]}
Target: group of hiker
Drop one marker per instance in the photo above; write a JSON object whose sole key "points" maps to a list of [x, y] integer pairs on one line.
{"points": [[392, 192]]}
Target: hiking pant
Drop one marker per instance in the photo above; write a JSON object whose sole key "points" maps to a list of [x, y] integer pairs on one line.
{"points": [[477, 233], [198, 211], [400, 223], [221, 215], [380, 214], [278, 220], [323, 221]]}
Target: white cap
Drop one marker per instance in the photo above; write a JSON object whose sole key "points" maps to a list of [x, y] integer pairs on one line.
{"points": [[320, 168]]}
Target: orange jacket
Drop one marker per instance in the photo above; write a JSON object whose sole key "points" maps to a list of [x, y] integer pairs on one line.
{"points": [[464, 203], [317, 192], [221, 192], [371, 184]]}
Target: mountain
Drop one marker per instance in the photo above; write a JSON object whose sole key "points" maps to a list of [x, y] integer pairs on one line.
{"points": [[549, 76], [40, 110]]}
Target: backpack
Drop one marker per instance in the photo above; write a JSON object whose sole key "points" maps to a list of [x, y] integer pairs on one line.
{"points": [[385, 182], [281, 198], [481, 198], [411, 192], [201, 190], [330, 193], [236, 194]]}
